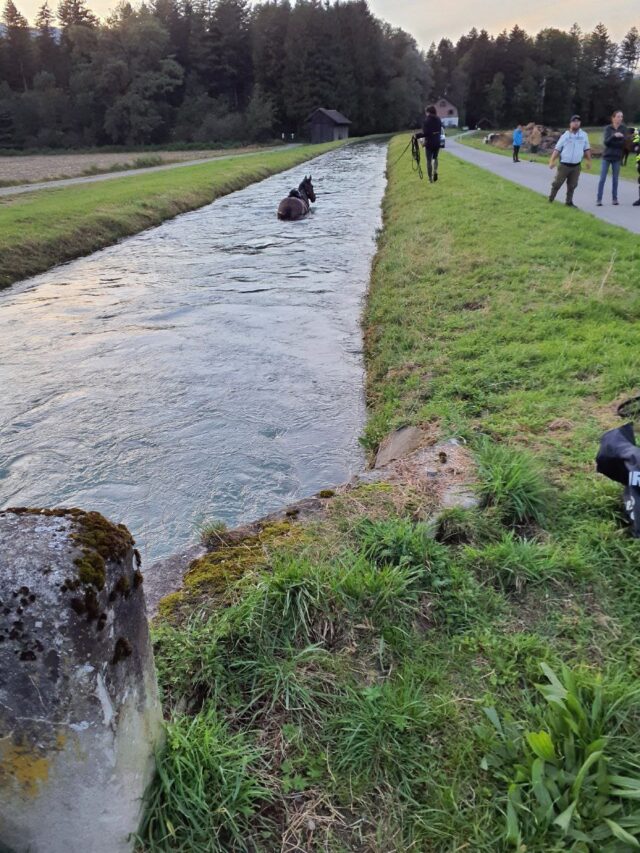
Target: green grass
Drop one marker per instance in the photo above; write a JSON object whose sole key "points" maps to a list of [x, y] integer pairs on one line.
{"points": [[40, 229], [475, 140], [390, 676]]}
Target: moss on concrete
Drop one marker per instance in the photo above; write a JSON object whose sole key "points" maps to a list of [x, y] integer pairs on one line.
{"points": [[216, 572], [99, 541]]}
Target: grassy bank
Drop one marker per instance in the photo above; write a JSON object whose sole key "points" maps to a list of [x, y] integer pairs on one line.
{"points": [[41, 229], [475, 140], [383, 680]]}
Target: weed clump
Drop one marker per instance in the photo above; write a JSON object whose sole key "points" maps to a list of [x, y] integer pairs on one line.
{"points": [[513, 482], [457, 526], [384, 737], [208, 794], [398, 542], [514, 562], [212, 533], [570, 783]]}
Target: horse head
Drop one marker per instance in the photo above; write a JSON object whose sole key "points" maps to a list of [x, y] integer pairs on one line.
{"points": [[306, 187]]}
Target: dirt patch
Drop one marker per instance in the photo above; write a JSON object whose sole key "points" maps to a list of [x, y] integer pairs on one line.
{"points": [[48, 167]]}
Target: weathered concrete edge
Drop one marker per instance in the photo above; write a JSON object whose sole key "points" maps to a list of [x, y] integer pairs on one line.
{"points": [[166, 576]]}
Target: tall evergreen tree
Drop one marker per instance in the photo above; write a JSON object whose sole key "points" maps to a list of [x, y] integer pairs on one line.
{"points": [[231, 58], [47, 49], [18, 48], [630, 51], [269, 24]]}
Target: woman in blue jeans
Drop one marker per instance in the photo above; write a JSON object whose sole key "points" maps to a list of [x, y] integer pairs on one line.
{"points": [[614, 136]]}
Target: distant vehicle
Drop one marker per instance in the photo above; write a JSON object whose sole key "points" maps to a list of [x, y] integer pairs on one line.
{"points": [[443, 139]]}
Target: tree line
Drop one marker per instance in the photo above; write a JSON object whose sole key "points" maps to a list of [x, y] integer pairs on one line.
{"points": [[201, 71], [516, 77], [213, 71]]}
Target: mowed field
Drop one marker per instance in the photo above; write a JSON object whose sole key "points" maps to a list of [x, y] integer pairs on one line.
{"points": [[32, 168]]}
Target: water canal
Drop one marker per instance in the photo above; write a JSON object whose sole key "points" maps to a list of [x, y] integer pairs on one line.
{"points": [[210, 368]]}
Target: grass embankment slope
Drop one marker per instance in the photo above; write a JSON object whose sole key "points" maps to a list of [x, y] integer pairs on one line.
{"points": [[327, 685], [41, 229], [475, 140]]}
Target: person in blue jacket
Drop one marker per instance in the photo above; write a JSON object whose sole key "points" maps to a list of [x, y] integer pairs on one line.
{"points": [[517, 142]]}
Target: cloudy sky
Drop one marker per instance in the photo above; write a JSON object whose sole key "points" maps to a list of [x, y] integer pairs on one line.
{"points": [[429, 20]]}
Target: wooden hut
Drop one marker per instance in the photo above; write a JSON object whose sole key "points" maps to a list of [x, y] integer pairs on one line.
{"points": [[327, 125]]}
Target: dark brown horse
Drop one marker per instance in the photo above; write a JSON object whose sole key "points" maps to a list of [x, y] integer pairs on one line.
{"points": [[298, 203]]}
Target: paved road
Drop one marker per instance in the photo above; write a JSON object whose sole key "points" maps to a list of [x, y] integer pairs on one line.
{"points": [[109, 176], [538, 177]]}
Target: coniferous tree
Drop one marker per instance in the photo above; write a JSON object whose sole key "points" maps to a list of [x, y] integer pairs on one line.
{"points": [[18, 48], [47, 49], [630, 51]]}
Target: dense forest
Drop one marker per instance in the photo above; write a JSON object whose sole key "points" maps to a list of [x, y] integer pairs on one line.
{"points": [[202, 72], [212, 71]]}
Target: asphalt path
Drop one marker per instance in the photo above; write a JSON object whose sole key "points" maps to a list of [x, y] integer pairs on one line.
{"points": [[538, 177], [129, 173]]}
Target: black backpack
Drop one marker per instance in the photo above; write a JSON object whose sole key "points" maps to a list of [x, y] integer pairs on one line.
{"points": [[619, 460]]}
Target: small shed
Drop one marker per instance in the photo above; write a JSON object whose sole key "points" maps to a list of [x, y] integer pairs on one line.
{"points": [[447, 112], [327, 125]]}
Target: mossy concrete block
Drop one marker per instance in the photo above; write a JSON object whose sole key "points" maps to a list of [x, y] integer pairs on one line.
{"points": [[80, 718]]}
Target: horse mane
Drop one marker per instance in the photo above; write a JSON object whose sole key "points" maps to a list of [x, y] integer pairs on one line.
{"points": [[301, 192]]}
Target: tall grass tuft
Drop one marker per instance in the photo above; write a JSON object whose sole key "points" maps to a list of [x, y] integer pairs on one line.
{"points": [[512, 481], [513, 562], [398, 542], [208, 791], [384, 736]]}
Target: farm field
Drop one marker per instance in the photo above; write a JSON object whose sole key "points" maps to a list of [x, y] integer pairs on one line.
{"points": [[32, 168], [386, 680], [41, 229]]}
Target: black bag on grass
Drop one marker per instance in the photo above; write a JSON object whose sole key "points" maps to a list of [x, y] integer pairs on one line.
{"points": [[619, 460]]}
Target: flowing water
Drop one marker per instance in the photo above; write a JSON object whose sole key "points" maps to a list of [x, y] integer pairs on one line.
{"points": [[210, 368]]}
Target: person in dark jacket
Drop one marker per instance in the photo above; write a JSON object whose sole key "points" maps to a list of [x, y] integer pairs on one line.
{"points": [[614, 136], [636, 148], [431, 130]]}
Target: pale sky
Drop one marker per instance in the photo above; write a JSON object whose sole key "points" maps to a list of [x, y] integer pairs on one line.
{"points": [[429, 21]]}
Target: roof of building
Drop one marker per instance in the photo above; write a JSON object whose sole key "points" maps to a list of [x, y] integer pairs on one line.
{"points": [[334, 115], [443, 104]]}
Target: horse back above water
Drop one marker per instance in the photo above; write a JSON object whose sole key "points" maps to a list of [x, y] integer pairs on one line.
{"points": [[298, 203]]}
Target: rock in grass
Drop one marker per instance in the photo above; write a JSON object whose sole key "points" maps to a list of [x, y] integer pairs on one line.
{"points": [[79, 712], [401, 442]]}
